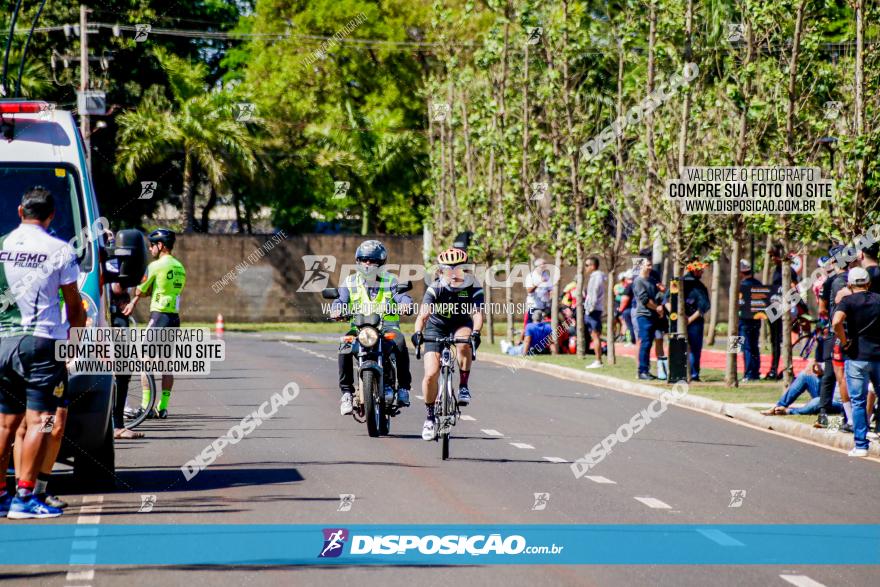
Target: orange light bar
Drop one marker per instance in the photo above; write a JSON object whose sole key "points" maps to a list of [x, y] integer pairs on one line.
{"points": [[388, 336], [348, 338]]}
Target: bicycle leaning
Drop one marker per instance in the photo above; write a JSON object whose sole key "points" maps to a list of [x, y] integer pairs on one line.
{"points": [[446, 409]]}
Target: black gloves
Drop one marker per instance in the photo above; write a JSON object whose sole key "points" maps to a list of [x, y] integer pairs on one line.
{"points": [[417, 339]]}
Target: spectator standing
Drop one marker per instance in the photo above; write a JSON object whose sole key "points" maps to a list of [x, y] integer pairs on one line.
{"points": [[696, 306], [33, 384], [626, 307], [648, 313], [856, 323], [594, 300], [749, 328], [539, 289]]}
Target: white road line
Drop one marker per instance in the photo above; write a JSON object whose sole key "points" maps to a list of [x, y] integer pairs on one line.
{"points": [[81, 575], [601, 479], [522, 445], [490, 432], [554, 459], [84, 545], [467, 418], [93, 499], [91, 509], [801, 581], [720, 537], [83, 559], [88, 520], [653, 502], [79, 532]]}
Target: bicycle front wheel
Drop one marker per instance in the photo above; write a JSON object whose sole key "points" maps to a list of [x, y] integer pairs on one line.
{"points": [[141, 390], [448, 405]]}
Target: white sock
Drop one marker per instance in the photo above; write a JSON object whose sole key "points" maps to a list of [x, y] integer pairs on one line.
{"points": [[847, 408]]}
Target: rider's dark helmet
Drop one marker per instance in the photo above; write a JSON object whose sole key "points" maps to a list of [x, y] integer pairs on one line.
{"points": [[164, 236], [371, 251]]}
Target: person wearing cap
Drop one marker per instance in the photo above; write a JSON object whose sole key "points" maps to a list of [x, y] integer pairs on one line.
{"points": [[696, 306], [856, 322], [749, 328]]}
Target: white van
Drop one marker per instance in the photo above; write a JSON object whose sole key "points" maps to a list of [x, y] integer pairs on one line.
{"points": [[40, 145]]}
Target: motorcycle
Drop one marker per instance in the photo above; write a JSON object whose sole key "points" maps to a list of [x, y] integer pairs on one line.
{"points": [[376, 366]]}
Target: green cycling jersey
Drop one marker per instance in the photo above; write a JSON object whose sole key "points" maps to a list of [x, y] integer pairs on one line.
{"points": [[165, 280]]}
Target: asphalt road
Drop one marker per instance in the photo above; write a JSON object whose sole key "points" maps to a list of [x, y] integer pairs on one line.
{"points": [[680, 469]]}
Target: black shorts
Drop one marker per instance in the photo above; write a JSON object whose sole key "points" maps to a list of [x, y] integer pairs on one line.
{"points": [[30, 377], [437, 331], [164, 320]]}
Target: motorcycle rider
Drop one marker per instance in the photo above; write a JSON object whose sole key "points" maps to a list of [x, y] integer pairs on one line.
{"points": [[371, 285]]}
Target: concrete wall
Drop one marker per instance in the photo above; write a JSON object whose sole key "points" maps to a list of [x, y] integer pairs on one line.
{"points": [[264, 287]]}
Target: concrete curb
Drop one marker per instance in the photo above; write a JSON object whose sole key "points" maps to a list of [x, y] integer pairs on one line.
{"points": [[696, 402]]}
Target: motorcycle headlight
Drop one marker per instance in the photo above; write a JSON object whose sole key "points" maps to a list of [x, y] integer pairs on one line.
{"points": [[368, 336]]}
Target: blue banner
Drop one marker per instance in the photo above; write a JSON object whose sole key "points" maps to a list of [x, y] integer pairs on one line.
{"points": [[33, 543]]}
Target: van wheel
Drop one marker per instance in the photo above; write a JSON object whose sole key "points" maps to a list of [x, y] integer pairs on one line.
{"points": [[96, 471]]}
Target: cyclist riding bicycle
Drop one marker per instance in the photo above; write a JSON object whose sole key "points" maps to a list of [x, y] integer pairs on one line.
{"points": [[452, 306], [372, 287], [164, 281]]}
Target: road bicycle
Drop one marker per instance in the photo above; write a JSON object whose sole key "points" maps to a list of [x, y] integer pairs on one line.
{"points": [[446, 410], [810, 330]]}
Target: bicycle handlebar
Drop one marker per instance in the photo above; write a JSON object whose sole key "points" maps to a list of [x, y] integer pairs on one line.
{"points": [[448, 341]]}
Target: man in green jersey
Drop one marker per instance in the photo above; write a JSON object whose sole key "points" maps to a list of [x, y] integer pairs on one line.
{"points": [[163, 283]]}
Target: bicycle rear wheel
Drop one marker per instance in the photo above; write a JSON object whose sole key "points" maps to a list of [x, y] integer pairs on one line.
{"points": [[142, 390], [802, 346]]}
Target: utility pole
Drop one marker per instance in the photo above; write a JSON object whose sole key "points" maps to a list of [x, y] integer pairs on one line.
{"points": [[84, 129]]}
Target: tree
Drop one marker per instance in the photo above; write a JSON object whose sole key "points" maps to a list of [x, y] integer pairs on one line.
{"points": [[197, 124]]}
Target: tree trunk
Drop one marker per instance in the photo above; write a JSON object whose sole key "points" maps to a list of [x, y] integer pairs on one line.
{"points": [[236, 200], [579, 290], [187, 196], [508, 297], [206, 211], [790, 154], [714, 293], [487, 296], [646, 208], [730, 377], [554, 302], [859, 211], [365, 219]]}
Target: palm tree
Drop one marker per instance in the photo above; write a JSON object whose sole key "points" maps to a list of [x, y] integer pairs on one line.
{"points": [[198, 122], [372, 160]]}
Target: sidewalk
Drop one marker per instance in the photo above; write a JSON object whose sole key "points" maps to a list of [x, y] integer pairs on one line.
{"points": [[714, 359], [734, 411]]}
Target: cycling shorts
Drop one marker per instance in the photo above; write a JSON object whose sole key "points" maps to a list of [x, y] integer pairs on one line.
{"points": [[164, 320], [837, 357], [30, 377], [436, 331]]}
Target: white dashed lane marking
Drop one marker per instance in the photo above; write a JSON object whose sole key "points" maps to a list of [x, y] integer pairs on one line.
{"points": [[554, 459], [522, 445], [653, 502], [801, 581], [467, 418], [720, 537], [81, 575], [490, 432], [601, 479]]}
